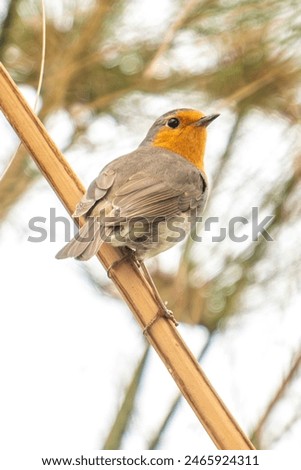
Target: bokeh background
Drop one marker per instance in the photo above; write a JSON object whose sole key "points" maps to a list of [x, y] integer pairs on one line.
{"points": [[76, 371]]}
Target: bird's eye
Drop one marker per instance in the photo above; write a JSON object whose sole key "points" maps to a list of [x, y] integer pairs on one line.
{"points": [[173, 123]]}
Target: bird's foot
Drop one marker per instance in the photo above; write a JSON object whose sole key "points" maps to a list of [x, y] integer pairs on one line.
{"points": [[166, 314], [128, 254], [169, 314], [163, 312]]}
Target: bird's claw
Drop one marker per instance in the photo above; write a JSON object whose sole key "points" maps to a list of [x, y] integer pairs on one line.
{"points": [[170, 316], [166, 314], [128, 254]]}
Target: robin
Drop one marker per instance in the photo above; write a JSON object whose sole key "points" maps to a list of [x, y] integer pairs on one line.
{"points": [[144, 202]]}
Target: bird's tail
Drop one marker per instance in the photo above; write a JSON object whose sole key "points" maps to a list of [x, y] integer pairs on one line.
{"points": [[86, 242]]}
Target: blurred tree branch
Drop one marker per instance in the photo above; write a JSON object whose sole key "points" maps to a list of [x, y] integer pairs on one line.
{"points": [[7, 24], [155, 441], [253, 64], [176, 24], [286, 382], [100, 87], [123, 417]]}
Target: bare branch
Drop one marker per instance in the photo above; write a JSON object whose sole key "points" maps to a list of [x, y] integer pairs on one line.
{"points": [[257, 432]]}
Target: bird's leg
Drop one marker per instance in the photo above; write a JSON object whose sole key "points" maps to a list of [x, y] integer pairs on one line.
{"points": [[128, 255], [167, 313]]}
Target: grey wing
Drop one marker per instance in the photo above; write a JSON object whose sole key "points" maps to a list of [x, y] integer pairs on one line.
{"points": [[96, 191], [140, 196], [92, 234], [148, 197]]}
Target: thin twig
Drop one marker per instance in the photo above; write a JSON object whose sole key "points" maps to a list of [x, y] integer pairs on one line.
{"points": [[252, 87], [256, 434], [118, 429]]}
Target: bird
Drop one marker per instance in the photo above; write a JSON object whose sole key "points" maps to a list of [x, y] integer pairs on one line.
{"points": [[146, 201]]}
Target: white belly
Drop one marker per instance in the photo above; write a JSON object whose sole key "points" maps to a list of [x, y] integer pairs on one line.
{"points": [[149, 239]]}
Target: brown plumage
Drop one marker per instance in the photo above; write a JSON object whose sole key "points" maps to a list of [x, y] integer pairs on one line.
{"points": [[138, 199]]}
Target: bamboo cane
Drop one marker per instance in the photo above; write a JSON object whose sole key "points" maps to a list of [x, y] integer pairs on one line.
{"points": [[163, 336]]}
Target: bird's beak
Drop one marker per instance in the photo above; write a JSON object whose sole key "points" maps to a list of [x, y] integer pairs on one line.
{"points": [[206, 120]]}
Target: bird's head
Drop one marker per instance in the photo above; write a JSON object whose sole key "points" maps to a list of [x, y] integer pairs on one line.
{"points": [[183, 131]]}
